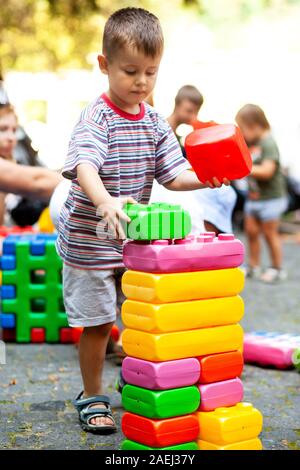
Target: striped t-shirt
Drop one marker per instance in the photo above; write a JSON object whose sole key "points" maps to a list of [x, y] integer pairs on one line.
{"points": [[128, 151]]}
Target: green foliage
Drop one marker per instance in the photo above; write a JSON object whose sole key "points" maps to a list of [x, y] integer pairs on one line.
{"points": [[40, 35]]}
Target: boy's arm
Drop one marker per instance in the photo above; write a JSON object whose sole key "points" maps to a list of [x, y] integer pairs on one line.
{"points": [[188, 181], [109, 207]]}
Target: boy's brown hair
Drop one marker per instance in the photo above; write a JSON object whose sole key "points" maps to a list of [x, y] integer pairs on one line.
{"points": [[133, 27], [252, 115], [190, 93]]}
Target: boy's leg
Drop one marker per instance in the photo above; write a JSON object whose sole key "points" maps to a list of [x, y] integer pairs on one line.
{"points": [[270, 230], [92, 349], [252, 229]]}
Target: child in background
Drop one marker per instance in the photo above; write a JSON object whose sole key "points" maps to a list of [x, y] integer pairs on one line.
{"points": [[267, 196], [8, 142], [117, 148], [210, 210]]}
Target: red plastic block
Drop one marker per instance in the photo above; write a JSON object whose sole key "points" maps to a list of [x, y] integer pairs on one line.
{"points": [[76, 333], [37, 335], [65, 335], [115, 333], [160, 432], [219, 151], [217, 367], [9, 335]]}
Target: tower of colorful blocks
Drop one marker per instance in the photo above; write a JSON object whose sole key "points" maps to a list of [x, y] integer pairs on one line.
{"points": [[183, 341], [32, 307]]}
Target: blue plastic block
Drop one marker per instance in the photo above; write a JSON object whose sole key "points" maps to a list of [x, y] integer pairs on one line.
{"points": [[7, 320], [46, 236], [37, 247], [8, 263], [9, 245], [8, 292]]}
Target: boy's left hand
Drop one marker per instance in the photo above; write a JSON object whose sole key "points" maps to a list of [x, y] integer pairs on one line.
{"points": [[215, 183]]}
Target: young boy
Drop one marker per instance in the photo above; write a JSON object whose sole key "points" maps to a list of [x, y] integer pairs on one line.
{"points": [[117, 148]]}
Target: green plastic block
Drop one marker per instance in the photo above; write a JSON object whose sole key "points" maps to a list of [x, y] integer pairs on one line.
{"points": [[296, 359], [157, 221], [127, 444], [160, 403], [38, 302]]}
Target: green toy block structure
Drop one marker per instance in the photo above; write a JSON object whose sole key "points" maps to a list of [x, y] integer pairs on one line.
{"points": [[34, 279], [160, 403], [157, 221]]}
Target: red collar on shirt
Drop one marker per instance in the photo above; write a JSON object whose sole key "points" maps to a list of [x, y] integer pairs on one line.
{"points": [[124, 114]]}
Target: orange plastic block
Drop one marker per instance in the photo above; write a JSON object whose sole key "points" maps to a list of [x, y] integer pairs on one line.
{"points": [[218, 367], [230, 425], [181, 344], [251, 444], [160, 432], [219, 151], [177, 287], [180, 316]]}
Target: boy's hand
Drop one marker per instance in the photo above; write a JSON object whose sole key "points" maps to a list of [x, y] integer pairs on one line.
{"points": [[113, 215], [215, 183]]}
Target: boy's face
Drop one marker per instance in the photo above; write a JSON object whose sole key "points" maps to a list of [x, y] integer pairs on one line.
{"points": [[186, 112], [131, 74]]}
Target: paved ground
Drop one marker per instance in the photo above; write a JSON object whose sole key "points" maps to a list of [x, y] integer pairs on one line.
{"points": [[38, 382]]}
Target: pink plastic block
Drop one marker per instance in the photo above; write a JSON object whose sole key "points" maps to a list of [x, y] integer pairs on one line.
{"points": [[193, 253], [270, 349], [217, 394], [160, 375]]}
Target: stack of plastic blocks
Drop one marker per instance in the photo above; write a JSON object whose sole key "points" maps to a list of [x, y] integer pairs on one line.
{"points": [[272, 349], [184, 344], [31, 292]]}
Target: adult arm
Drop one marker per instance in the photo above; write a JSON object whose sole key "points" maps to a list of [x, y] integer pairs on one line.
{"points": [[27, 181]]}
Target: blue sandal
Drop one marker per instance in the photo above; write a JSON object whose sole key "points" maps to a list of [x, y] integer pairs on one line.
{"points": [[86, 413]]}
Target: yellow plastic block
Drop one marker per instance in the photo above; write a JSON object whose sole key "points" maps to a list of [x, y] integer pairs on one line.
{"points": [[251, 444], [177, 287], [230, 425], [179, 316], [181, 344]]}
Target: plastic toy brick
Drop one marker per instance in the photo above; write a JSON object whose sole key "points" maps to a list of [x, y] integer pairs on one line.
{"points": [[163, 288], [37, 242], [157, 221], [8, 262], [181, 344], [127, 444], [37, 281], [218, 394], [37, 335], [179, 316], [8, 292], [6, 231], [160, 404], [203, 252], [160, 432], [228, 425], [9, 335], [251, 444], [7, 320], [219, 151], [271, 349], [160, 375], [217, 367]]}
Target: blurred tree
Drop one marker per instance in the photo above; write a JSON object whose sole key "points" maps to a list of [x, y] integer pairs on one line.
{"points": [[51, 34]]}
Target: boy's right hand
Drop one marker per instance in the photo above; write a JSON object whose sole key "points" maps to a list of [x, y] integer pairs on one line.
{"points": [[113, 215]]}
